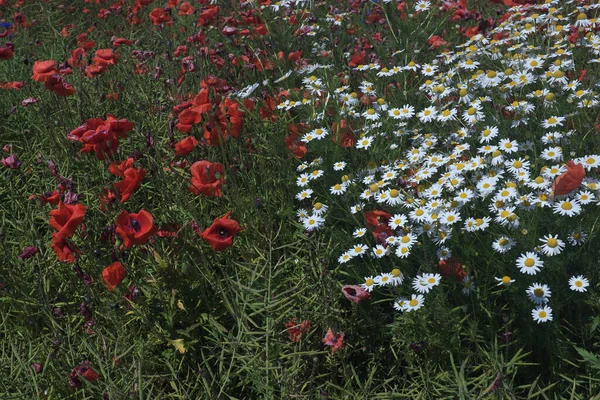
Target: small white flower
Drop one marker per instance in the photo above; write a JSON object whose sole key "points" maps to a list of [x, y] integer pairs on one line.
{"points": [[579, 283]]}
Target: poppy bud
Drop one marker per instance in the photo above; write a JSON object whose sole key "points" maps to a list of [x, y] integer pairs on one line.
{"points": [[12, 162], [28, 252]]}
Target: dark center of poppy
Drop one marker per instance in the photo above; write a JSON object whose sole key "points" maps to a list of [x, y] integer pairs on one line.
{"points": [[135, 224], [222, 233]]}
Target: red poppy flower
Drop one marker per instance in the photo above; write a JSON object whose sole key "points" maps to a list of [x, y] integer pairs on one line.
{"points": [[83, 41], [207, 178], [49, 198], [160, 16], [119, 169], [169, 230], [187, 118], [355, 293], [93, 70], [90, 375], [105, 57], [229, 31], [43, 70], [11, 85], [436, 41], [220, 234], [121, 41], [569, 180], [82, 370], [294, 55], [64, 249], [56, 84], [6, 51], [135, 228], [186, 9], [208, 15], [266, 112], [295, 145], [335, 341], [101, 136], [296, 330], [235, 117], [113, 275], [376, 218], [133, 178], [185, 146], [180, 50], [452, 267], [343, 135], [66, 218], [261, 30], [357, 58]]}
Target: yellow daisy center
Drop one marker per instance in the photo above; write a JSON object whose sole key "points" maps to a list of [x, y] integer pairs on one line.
{"points": [[566, 205], [529, 262]]}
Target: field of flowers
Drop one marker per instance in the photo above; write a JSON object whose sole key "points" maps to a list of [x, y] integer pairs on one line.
{"points": [[248, 199]]}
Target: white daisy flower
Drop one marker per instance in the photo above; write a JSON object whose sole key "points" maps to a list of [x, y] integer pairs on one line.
{"points": [[305, 194], [313, 222], [384, 279], [538, 293], [338, 189], [579, 283], [577, 238], [552, 245], [397, 277], [567, 208], [303, 180], [552, 122], [414, 303], [359, 249], [345, 257], [468, 285], [403, 251], [542, 314], [364, 143], [397, 221], [503, 244], [379, 251], [529, 263], [339, 166], [369, 283], [400, 304], [504, 281]]}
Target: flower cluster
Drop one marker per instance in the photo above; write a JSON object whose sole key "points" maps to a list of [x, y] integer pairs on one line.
{"points": [[101, 136], [488, 147]]}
